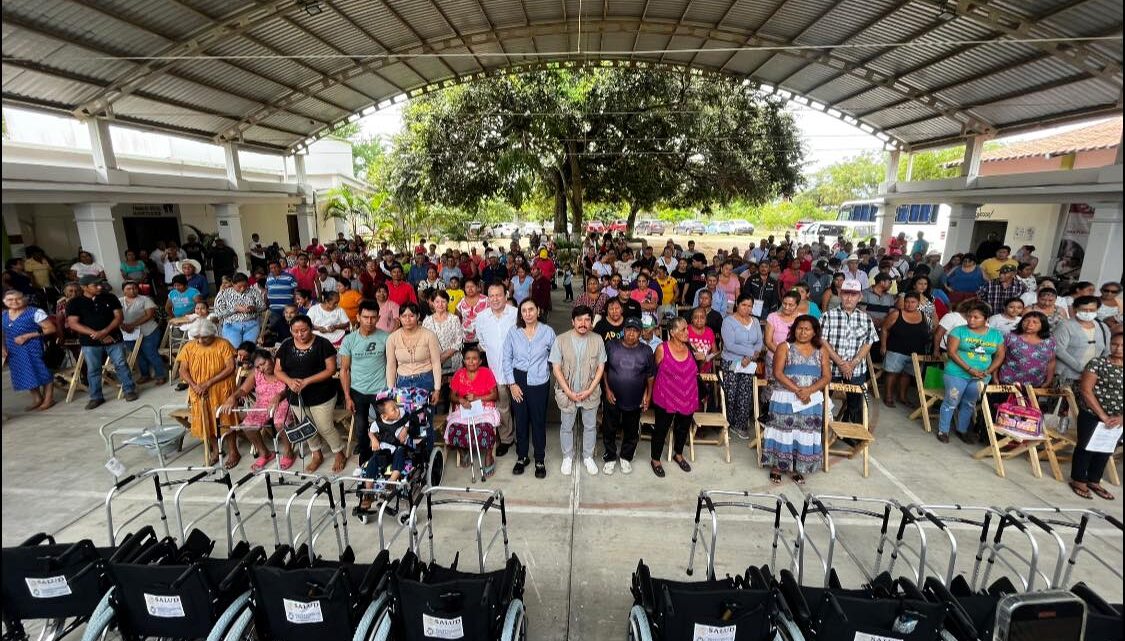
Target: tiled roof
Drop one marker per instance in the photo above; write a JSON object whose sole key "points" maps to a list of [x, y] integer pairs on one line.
{"points": [[1103, 135]]}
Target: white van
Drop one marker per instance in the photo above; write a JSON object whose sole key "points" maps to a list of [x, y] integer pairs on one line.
{"points": [[832, 229]]}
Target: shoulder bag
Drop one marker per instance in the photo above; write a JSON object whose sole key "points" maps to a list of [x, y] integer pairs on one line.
{"points": [[302, 430]]}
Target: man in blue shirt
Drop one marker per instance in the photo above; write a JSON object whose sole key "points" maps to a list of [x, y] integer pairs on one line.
{"points": [[280, 286], [418, 268], [195, 280]]}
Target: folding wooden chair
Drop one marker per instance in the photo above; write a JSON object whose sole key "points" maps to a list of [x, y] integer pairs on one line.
{"points": [[874, 370], [177, 338], [928, 397], [648, 417], [998, 445], [1059, 446], [716, 420], [756, 442], [835, 432], [130, 362], [72, 376]]}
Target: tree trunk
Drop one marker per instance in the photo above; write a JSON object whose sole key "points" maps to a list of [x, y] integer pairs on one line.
{"points": [[560, 202], [631, 223], [576, 190]]}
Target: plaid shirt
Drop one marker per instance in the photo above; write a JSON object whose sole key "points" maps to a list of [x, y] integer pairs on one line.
{"points": [[847, 333], [994, 293]]}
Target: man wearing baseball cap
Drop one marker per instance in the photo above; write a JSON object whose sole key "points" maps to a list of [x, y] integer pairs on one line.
{"points": [[849, 334], [998, 290], [629, 370], [96, 316]]}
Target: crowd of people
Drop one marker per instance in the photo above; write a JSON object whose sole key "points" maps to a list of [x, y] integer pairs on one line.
{"points": [[339, 324]]}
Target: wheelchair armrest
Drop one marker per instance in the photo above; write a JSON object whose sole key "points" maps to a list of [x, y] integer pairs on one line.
{"points": [[240, 569], [185, 575], [317, 591], [1094, 600], [791, 591], [376, 574], [279, 556], [960, 619], [85, 546], [37, 539], [909, 589]]}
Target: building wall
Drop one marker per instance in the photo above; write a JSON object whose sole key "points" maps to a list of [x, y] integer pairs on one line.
{"points": [[1036, 225], [1029, 164]]}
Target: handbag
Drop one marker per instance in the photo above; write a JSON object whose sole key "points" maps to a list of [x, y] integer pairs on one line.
{"points": [[303, 429], [1016, 419]]}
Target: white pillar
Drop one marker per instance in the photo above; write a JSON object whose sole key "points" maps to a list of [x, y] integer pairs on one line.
{"points": [[1103, 249], [970, 165], [299, 167], [306, 223], [97, 235], [959, 238], [101, 145], [909, 167], [885, 216], [234, 167], [14, 230], [230, 230]]}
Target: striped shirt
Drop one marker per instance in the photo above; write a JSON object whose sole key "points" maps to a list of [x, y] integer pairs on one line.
{"points": [[280, 290]]}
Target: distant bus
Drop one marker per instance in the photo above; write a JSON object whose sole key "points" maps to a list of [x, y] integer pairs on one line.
{"points": [[931, 219]]}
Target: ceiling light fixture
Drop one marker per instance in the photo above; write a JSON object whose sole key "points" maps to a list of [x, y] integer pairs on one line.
{"points": [[311, 7]]}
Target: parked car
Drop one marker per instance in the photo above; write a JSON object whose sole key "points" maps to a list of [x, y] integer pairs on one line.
{"points": [[595, 227], [531, 228], [689, 227], [619, 226], [741, 226], [854, 231], [650, 228], [478, 230], [804, 222], [504, 230], [719, 227]]}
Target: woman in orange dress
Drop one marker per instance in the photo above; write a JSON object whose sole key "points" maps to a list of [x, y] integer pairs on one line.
{"points": [[207, 366]]}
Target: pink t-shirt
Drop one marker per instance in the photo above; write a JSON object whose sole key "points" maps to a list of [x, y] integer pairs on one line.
{"points": [[676, 385], [702, 341]]}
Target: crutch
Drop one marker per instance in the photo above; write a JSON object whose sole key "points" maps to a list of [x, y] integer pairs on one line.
{"points": [[474, 444]]}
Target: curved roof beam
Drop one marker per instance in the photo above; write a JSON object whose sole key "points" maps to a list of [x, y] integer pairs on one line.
{"points": [[734, 38]]}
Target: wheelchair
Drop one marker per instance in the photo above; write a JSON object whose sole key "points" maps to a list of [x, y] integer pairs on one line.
{"points": [[743, 608], [51, 589], [173, 590], [431, 601], [425, 467], [296, 597]]}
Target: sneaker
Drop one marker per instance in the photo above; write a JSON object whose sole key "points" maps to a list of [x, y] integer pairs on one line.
{"points": [[131, 396], [607, 469], [591, 466], [743, 434], [567, 466], [942, 437], [626, 467], [540, 470], [520, 465], [94, 404]]}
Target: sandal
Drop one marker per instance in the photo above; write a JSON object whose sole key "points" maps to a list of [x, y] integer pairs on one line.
{"points": [[287, 462], [262, 461], [657, 469], [1081, 491], [487, 471], [775, 478], [1100, 491], [799, 479]]}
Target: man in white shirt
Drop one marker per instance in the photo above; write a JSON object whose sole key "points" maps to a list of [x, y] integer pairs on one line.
{"points": [[492, 326], [169, 260], [605, 266], [853, 272], [257, 253], [759, 253]]}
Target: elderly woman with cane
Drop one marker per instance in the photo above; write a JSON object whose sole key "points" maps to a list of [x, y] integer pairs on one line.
{"points": [[207, 366]]}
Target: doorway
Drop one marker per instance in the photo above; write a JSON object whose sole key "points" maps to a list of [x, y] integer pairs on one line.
{"points": [[982, 229], [294, 231], [143, 232]]}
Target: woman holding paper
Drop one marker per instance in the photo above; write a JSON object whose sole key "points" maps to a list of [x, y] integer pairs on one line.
{"points": [[742, 345], [791, 442], [1099, 409], [473, 398]]}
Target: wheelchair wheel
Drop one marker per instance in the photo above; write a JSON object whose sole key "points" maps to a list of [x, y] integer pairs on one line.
{"points": [[35, 630], [371, 625], [639, 628], [436, 467], [243, 627], [229, 617], [515, 622], [103, 627]]}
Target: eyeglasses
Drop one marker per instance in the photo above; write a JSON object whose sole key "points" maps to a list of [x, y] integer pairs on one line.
{"points": [[1111, 291]]}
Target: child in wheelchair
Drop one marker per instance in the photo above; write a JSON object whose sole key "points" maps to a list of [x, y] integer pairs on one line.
{"points": [[400, 433]]}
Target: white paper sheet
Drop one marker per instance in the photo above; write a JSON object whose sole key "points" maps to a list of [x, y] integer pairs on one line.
{"points": [[1104, 439], [815, 399], [748, 369]]}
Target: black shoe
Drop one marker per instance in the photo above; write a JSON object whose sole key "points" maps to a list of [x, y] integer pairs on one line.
{"points": [[131, 396], [520, 465], [942, 437], [94, 404], [181, 387], [502, 448], [967, 437], [540, 470]]}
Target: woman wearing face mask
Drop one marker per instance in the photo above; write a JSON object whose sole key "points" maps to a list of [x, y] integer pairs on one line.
{"points": [[1080, 339]]}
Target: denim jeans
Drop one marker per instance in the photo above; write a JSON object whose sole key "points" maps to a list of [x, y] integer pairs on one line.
{"points": [[95, 360], [238, 332], [149, 362], [961, 396]]}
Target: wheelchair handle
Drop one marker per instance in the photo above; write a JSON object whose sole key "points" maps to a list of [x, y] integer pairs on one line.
{"points": [[1113, 521], [253, 557], [85, 545], [180, 580], [36, 539], [125, 481], [133, 543], [303, 488]]}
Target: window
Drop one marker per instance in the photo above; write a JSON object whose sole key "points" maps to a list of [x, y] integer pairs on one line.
{"points": [[902, 213], [916, 214]]}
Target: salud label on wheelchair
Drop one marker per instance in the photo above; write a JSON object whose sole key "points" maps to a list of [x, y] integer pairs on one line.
{"points": [[438, 628], [703, 632], [302, 612], [48, 587], [165, 606]]}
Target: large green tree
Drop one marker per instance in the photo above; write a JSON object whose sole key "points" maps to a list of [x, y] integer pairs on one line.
{"points": [[630, 137]]}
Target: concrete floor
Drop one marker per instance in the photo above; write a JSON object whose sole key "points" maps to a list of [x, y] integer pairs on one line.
{"points": [[579, 536]]}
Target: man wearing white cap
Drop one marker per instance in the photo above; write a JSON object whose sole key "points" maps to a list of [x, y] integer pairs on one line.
{"points": [[852, 271], [849, 334]]}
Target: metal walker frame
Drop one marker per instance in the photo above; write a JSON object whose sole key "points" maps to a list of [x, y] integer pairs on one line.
{"points": [[745, 500]]}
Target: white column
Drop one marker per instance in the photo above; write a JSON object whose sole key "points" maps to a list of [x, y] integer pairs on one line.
{"points": [[1103, 249], [234, 167], [230, 230], [909, 167], [959, 238], [97, 235], [299, 167], [306, 223], [101, 145], [970, 165], [885, 217], [14, 230]]}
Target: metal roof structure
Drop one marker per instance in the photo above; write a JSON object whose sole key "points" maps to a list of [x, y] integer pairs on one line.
{"points": [[275, 74]]}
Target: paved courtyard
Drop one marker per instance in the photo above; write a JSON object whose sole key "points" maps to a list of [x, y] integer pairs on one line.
{"points": [[579, 536]]}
